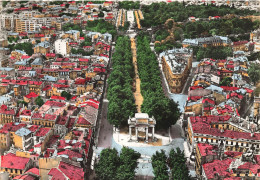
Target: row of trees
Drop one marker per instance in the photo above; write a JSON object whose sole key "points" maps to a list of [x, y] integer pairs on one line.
{"points": [[129, 5], [212, 52], [157, 13], [114, 167], [173, 167], [220, 27], [120, 93], [165, 111]]}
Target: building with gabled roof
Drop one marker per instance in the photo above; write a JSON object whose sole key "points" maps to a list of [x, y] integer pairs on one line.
{"points": [[15, 165]]}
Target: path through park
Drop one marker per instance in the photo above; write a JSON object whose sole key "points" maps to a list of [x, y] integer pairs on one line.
{"points": [[137, 94]]}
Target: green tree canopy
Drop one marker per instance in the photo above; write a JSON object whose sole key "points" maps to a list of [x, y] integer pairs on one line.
{"points": [[66, 94], [39, 101], [155, 102], [160, 168], [113, 167], [27, 47], [254, 72]]}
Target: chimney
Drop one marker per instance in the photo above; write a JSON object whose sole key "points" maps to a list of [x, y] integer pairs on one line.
{"points": [[252, 134]]}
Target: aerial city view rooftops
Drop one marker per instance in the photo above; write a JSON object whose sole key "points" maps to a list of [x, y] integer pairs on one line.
{"points": [[124, 90]]}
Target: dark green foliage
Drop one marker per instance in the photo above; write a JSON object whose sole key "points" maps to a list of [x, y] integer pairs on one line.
{"points": [[254, 72], [86, 42], [40, 9], [129, 5], [71, 26], [101, 14], [12, 39], [56, 2], [166, 46], [125, 27], [39, 101], [212, 52], [4, 3], [9, 11], [82, 51], [177, 163], [120, 95], [160, 168], [161, 34], [221, 27], [254, 56], [96, 2], [66, 95], [23, 2], [155, 103], [226, 81], [68, 14], [22, 102], [242, 37], [128, 164], [157, 13], [113, 167], [107, 165], [101, 26], [173, 166], [27, 47]]}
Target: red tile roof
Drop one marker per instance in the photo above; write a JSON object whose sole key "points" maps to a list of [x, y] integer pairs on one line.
{"points": [[26, 112], [47, 87], [254, 168], [233, 154], [11, 127], [83, 121], [31, 95], [12, 161], [56, 174], [64, 143], [42, 132], [34, 171], [194, 98], [80, 81], [239, 43], [50, 54], [61, 86], [4, 110], [83, 59], [228, 88], [70, 153], [209, 101], [55, 103], [62, 120], [217, 167], [206, 149], [33, 128], [25, 177], [58, 98], [99, 70], [72, 172], [50, 117]]}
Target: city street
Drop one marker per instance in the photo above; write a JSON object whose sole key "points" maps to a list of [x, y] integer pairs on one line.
{"points": [[106, 129]]}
